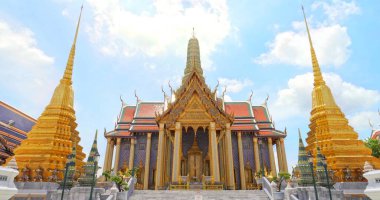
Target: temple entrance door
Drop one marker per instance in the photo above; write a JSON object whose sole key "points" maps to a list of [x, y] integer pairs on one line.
{"points": [[195, 162]]}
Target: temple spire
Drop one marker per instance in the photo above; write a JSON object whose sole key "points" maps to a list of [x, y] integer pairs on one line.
{"points": [[318, 79], [70, 61], [193, 63]]}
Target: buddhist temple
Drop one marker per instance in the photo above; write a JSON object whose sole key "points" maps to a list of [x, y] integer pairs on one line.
{"points": [[330, 131], [51, 139], [14, 126], [375, 133], [195, 137]]}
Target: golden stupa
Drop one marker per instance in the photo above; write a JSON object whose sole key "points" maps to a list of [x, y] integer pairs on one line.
{"points": [[330, 131], [51, 138]]}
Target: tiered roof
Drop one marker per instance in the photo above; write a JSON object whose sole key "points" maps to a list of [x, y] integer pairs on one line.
{"points": [[142, 118]]}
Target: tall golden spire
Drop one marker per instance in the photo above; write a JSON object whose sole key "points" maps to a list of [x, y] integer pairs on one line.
{"points": [[318, 79], [52, 137], [329, 128], [67, 76]]}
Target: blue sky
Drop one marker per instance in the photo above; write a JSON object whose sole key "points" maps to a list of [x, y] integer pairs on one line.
{"points": [[246, 45]]}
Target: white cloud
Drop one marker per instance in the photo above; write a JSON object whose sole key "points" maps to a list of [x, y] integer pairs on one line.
{"points": [[158, 28], [330, 39], [295, 100], [331, 44], [361, 120], [234, 85], [338, 9], [26, 70]]}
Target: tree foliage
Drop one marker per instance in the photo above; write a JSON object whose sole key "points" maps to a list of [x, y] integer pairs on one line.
{"points": [[374, 145], [283, 176]]}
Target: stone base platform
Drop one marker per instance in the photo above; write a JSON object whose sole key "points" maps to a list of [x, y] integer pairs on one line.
{"points": [[199, 195]]}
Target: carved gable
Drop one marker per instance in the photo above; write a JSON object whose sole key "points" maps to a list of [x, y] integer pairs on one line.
{"points": [[195, 106]]}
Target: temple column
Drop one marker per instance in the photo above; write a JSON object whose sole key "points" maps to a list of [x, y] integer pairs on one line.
{"points": [[271, 157], [110, 157], [214, 153], [131, 154], [229, 159], [256, 152], [279, 156], [241, 161], [176, 170], [117, 156], [160, 156], [285, 163], [106, 158], [147, 161]]}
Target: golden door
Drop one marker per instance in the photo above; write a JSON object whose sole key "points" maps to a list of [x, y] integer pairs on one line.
{"points": [[195, 166]]}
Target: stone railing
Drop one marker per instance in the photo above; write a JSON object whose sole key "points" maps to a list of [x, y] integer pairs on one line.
{"points": [[267, 187], [131, 186], [293, 197]]}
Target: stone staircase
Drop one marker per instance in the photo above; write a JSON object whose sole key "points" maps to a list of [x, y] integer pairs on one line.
{"points": [[199, 195]]}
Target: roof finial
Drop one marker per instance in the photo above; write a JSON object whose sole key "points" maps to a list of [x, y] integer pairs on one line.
{"points": [[224, 92], [370, 124], [193, 33], [163, 91], [122, 101], [137, 97], [318, 79], [250, 96], [266, 100], [216, 87], [70, 61]]}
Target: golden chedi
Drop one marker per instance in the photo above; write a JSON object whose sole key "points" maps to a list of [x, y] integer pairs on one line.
{"points": [[51, 138], [330, 131]]}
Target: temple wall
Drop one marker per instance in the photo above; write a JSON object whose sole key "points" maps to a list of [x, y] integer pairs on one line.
{"points": [[140, 149], [153, 157], [187, 140], [249, 156], [235, 155], [202, 139], [125, 146], [265, 155]]}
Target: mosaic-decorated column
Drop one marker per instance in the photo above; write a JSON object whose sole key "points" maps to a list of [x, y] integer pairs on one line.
{"points": [[106, 157], [214, 153], [285, 162], [117, 156], [256, 152], [177, 152], [230, 164], [147, 160], [279, 156], [271, 157], [241, 161], [110, 157], [131, 153], [160, 156]]}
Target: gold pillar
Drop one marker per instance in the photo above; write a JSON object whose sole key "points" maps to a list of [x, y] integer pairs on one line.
{"points": [[214, 153], [279, 156], [241, 161], [106, 160], [285, 162], [176, 170], [147, 161], [256, 152], [131, 154], [110, 157], [117, 156], [271, 157], [229, 161], [160, 156]]}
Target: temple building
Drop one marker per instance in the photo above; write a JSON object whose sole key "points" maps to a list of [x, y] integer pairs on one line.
{"points": [[14, 126], [330, 131], [52, 137], [193, 136]]}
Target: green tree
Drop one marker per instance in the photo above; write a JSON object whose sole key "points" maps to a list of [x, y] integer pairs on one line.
{"points": [[282, 176], [374, 145]]}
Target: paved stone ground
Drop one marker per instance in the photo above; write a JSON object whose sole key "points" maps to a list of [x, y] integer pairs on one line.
{"points": [[199, 195]]}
